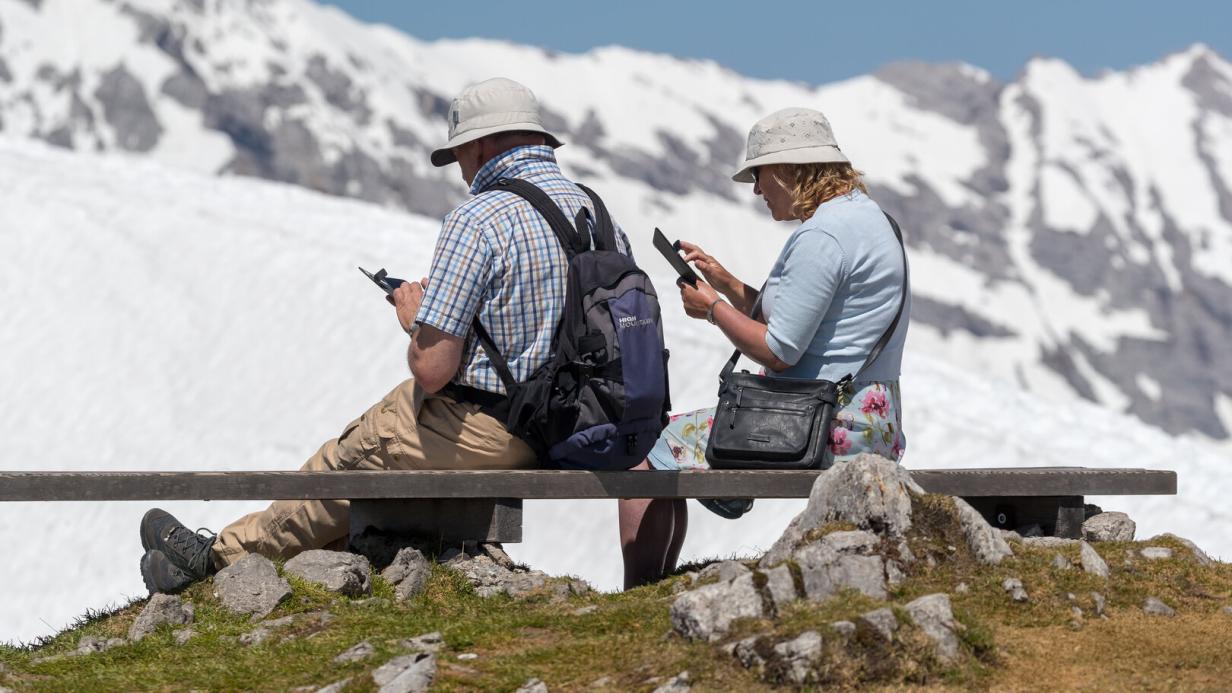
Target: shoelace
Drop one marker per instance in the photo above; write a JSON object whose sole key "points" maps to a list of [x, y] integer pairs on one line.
{"points": [[193, 546]]}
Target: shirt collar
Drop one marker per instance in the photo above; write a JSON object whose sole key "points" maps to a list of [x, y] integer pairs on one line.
{"points": [[507, 164]]}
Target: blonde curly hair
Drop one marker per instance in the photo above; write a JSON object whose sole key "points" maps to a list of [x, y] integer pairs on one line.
{"points": [[813, 184]]}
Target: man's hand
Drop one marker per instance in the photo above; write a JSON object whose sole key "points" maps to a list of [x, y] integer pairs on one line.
{"points": [[406, 300], [697, 301]]}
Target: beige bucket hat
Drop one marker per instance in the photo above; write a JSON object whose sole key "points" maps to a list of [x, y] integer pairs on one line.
{"points": [[790, 136], [492, 106]]}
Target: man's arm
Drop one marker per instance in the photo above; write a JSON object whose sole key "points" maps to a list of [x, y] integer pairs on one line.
{"points": [[433, 355]]}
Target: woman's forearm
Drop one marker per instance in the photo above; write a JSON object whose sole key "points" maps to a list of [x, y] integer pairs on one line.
{"points": [[747, 335], [742, 296]]}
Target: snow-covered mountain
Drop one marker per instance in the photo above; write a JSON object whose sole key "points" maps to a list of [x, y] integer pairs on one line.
{"points": [[159, 319], [1070, 233]]}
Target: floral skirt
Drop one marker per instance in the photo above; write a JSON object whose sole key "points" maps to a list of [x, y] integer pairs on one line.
{"points": [[871, 421]]}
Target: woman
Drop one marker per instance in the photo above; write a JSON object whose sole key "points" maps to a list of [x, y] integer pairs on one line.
{"points": [[833, 291]]}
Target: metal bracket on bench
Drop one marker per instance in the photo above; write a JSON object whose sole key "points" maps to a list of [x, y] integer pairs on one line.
{"points": [[444, 519], [1059, 516]]}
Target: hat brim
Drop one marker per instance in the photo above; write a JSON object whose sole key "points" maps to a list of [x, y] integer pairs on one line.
{"points": [[444, 155], [825, 154]]}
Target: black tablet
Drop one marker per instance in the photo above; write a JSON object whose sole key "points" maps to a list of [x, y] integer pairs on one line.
{"points": [[383, 280], [669, 251]]}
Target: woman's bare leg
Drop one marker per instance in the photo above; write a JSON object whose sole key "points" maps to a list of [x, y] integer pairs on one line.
{"points": [[680, 526], [647, 536]]}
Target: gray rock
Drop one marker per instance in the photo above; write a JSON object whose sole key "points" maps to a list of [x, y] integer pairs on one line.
{"points": [[90, 644], [707, 612], [1226, 611], [1198, 554], [1155, 553], [1015, 588], [932, 615], [725, 571], [408, 573], [428, 642], [183, 635], [781, 586], [745, 651], [337, 571], [1031, 531], [870, 491], [496, 552], [894, 575], [1048, 542], [1009, 535], [410, 673], [361, 650], [962, 588], [467, 656], [881, 621], [1100, 603], [798, 656], [1060, 562], [1155, 607], [251, 586], [162, 608], [985, 542], [601, 682], [1092, 562], [853, 541], [279, 622], [826, 572], [585, 610], [844, 628], [1110, 526], [533, 686], [677, 684]]}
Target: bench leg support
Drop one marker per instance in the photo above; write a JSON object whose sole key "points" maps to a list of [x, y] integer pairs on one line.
{"points": [[442, 519], [1059, 516]]}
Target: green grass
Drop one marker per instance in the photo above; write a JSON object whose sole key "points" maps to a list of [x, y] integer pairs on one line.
{"points": [[628, 638]]}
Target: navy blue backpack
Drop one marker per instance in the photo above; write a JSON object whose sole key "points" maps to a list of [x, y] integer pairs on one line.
{"points": [[602, 399]]}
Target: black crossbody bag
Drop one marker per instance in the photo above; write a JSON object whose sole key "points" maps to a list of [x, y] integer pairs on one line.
{"points": [[766, 422]]}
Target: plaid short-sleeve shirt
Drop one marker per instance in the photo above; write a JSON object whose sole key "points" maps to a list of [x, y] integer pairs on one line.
{"points": [[498, 258]]}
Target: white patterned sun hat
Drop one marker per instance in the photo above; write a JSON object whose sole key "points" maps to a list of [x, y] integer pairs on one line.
{"points": [[492, 106], [790, 136]]}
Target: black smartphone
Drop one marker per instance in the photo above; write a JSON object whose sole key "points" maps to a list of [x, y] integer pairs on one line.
{"points": [[383, 280], [670, 251]]}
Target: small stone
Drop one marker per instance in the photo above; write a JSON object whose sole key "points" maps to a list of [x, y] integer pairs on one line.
{"points": [[533, 686], [467, 656], [1092, 562], [894, 575], [1015, 588], [725, 571], [1111, 526], [844, 628], [162, 608], [825, 572], [90, 644], [183, 635], [781, 586], [1198, 554], [1098, 600], [1155, 607], [1155, 553], [932, 615], [361, 650], [251, 586], [1076, 612], [279, 622], [745, 651], [798, 656], [408, 573], [601, 682], [256, 636], [962, 588], [428, 642], [337, 571], [585, 610], [406, 674], [1060, 562], [1226, 611], [496, 552], [677, 684], [1047, 542], [881, 621], [335, 687], [706, 613]]}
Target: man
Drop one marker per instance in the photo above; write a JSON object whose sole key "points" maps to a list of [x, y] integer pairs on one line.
{"points": [[496, 258]]}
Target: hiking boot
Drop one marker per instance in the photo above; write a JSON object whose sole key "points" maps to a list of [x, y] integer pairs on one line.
{"points": [[161, 575], [185, 549]]}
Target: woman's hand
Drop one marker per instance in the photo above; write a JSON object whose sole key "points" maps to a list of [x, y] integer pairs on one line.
{"points": [[697, 301], [715, 273]]}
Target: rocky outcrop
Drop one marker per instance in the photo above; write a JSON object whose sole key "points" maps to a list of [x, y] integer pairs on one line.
{"points": [[408, 573], [337, 571], [1109, 526], [708, 611], [161, 609], [251, 586], [411, 673]]}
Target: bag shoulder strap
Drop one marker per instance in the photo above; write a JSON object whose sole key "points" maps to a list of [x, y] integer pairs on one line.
{"points": [[881, 342], [605, 232]]}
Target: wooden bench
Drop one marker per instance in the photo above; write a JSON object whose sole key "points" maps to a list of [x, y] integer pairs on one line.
{"points": [[487, 505]]}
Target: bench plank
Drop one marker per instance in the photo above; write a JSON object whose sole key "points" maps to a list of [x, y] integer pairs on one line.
{"points": [[538, 484]]}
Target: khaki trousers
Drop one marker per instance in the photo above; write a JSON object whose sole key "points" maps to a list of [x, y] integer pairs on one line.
{"points": [[408, 429]]}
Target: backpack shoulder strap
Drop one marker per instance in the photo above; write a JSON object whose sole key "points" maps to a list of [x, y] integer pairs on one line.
{"points": [[605, 233], [569, 237]]}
